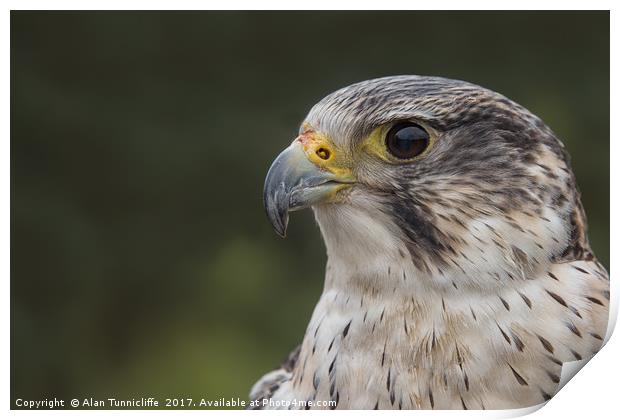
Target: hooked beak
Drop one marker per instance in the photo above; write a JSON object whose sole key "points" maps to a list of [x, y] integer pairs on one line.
{"points": [[294, 182]]}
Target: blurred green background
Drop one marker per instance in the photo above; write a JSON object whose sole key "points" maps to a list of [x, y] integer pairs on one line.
{"points": [[142, 263]]}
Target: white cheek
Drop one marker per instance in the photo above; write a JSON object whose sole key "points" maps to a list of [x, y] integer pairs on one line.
{"points": [[365, 249], [365, 240]]}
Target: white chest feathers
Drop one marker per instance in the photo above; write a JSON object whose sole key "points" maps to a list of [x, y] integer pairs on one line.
{"points": [[504, 352], [490, 332]]}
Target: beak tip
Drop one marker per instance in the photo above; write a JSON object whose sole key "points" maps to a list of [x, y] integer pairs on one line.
{"points": [[277, 213], [280, 224]]}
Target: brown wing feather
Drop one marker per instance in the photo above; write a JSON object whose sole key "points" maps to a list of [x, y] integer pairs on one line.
{"points": [[269, 383]]}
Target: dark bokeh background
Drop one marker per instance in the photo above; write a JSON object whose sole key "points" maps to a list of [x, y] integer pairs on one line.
{"points": [[142, 262]]}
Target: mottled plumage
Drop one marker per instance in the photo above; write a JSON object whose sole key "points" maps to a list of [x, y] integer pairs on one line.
{"points": [[459, 280]]}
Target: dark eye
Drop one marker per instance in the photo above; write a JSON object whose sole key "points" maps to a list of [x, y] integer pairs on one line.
{"points": [[406, 140]]}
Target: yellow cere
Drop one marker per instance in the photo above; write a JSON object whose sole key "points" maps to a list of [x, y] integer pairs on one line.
{"points": [[322, 152]]}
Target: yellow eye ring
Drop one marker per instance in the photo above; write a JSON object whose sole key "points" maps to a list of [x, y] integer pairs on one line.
{"points": [[392, 145]]}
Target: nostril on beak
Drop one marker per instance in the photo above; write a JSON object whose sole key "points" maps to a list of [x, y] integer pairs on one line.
{"points": [[323, 153]]}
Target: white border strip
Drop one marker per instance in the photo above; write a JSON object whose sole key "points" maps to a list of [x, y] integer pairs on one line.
{"points": [[593, 395]]}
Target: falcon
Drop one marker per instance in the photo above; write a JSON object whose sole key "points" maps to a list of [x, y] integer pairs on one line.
{"points": [[459, 273]]}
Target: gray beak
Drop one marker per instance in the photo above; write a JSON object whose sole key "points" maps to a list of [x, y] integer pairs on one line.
{"points": [[294, 183]]}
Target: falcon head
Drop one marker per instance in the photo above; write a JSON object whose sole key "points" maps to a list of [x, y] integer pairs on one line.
{"points": [[441, 176]]}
